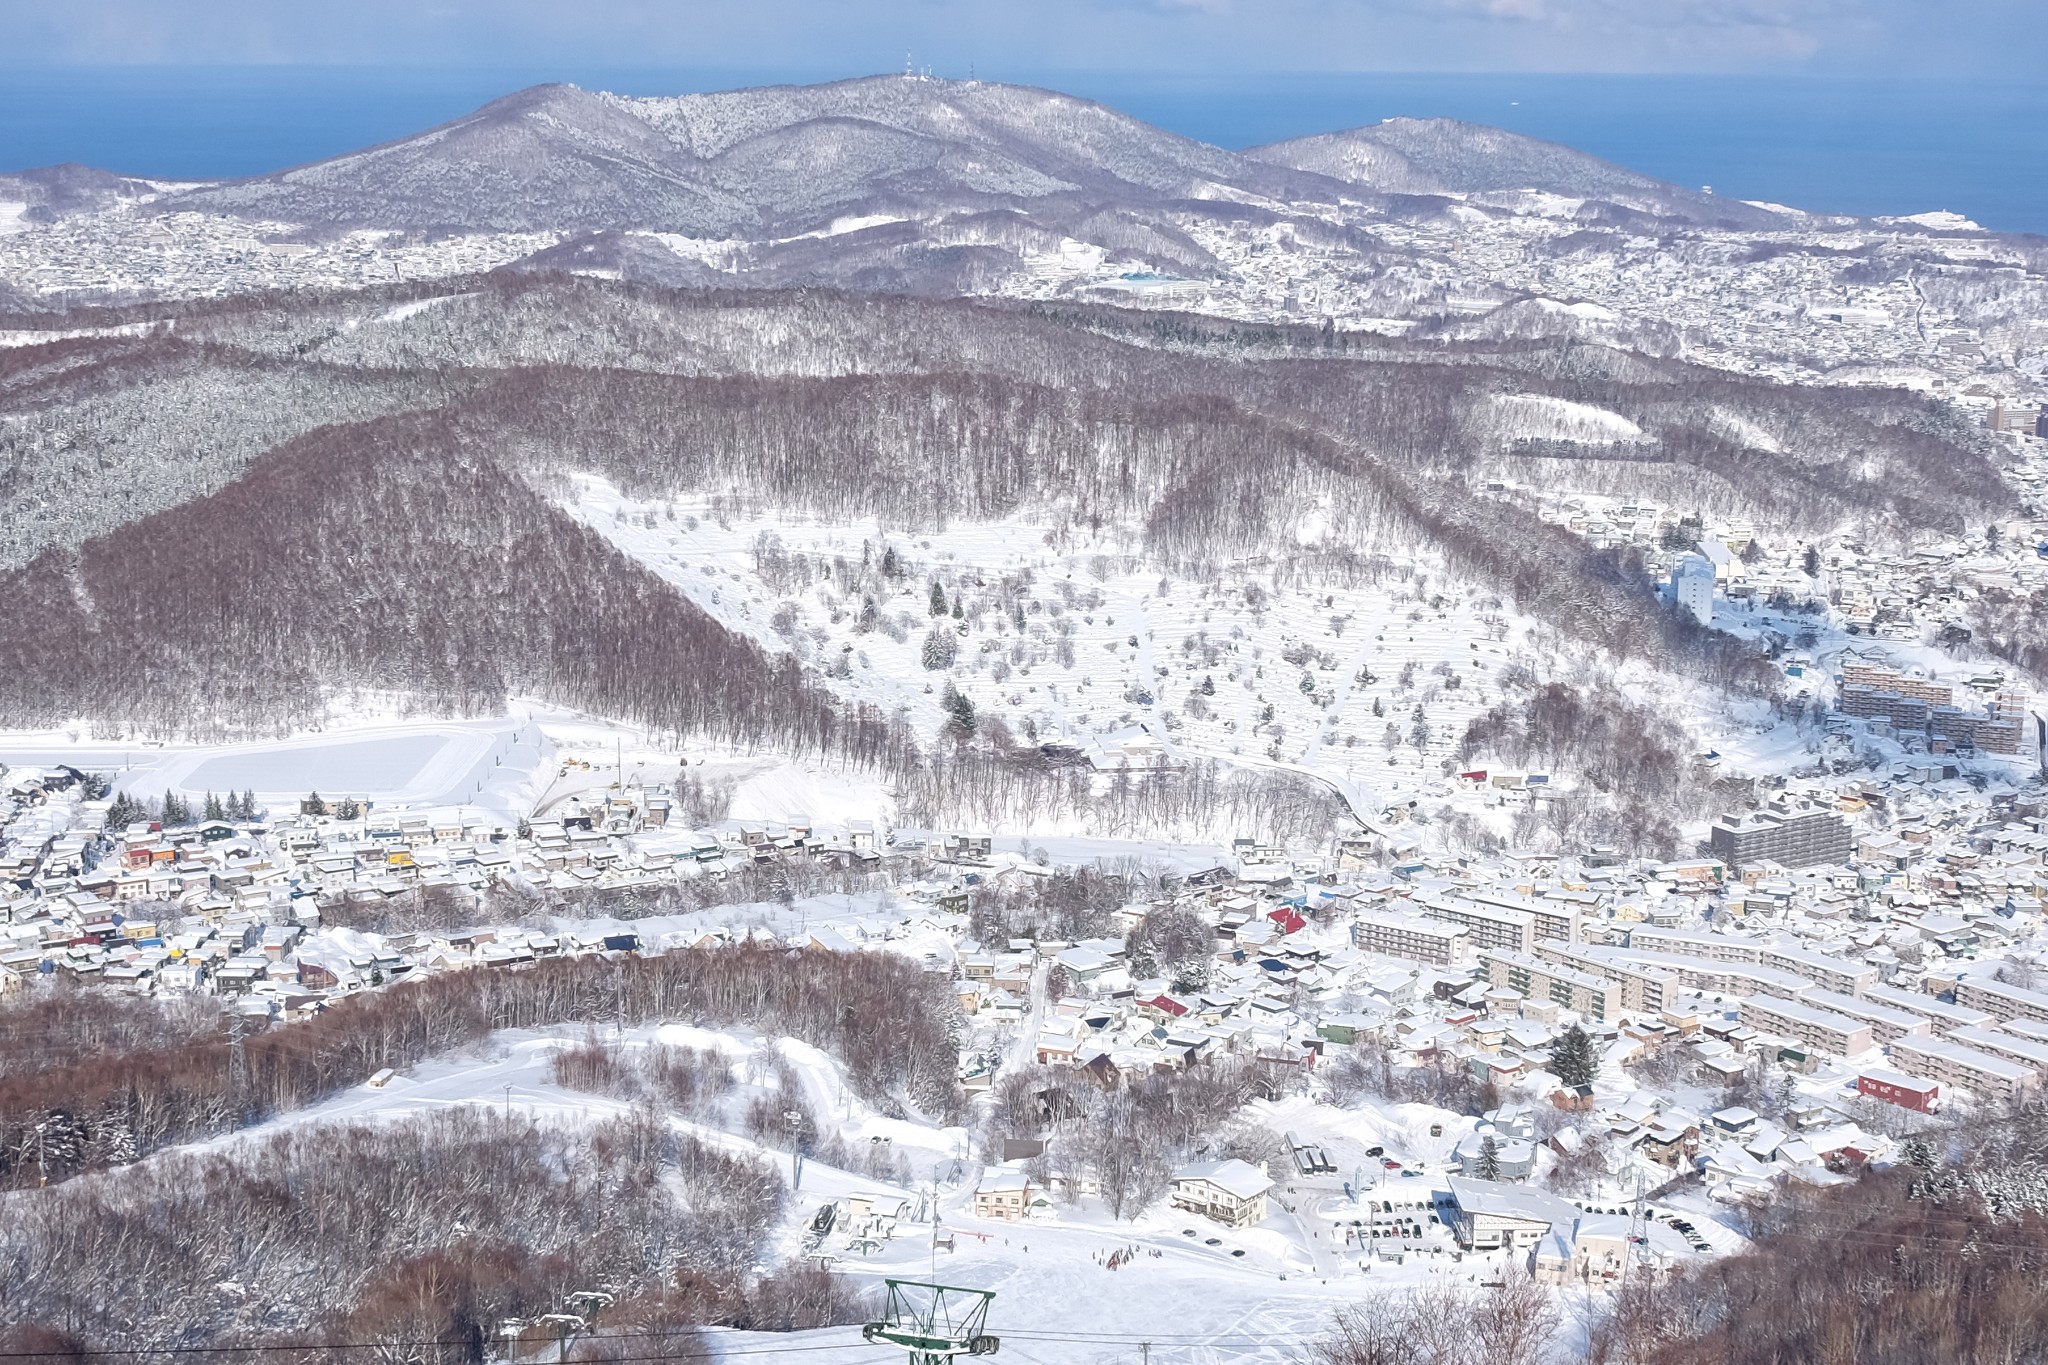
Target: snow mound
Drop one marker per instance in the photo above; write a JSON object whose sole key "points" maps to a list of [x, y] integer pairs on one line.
{"points": [[1537, 416], [788, 789]]}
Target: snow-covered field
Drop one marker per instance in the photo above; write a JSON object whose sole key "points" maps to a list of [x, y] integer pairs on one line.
{"points": [[1074, 640], [441, 763], [1199, 1292]]}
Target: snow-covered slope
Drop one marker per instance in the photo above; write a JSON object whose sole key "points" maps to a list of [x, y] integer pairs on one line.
{"points": [[49, 193], [1450, 156], [754, 162]]}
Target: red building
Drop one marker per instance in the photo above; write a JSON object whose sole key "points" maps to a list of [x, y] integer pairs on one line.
{"points": [[1893, 1087]]}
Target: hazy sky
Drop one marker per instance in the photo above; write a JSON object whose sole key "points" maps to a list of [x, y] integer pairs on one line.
{"points": [[1000, 38]]}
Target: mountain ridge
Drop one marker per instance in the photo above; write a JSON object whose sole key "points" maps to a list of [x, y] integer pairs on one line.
{"points": [[776, 161], [757, 162], [1453, 156]]}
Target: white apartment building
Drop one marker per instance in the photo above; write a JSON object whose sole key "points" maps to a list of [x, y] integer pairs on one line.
{"points": [[1960, 1066], [1416, 938], [1821, 1030]]}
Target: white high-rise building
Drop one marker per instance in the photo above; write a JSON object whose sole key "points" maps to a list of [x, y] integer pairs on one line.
{"points": [[1692, 587]]}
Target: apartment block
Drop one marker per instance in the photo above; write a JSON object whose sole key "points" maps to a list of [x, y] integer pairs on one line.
{"points": [[2011, 1046], [1959, 1066], [1596, 997], [2002, 1002], [1718, 978], [1489, 926], [1834, 973], [1886, 1021], [1643, 989], [1871, 703], [1417, 938], [1943, 1014], [1713, 947], [1554, 919], [1821, 1030], [1885, 680], [1787, 834]]}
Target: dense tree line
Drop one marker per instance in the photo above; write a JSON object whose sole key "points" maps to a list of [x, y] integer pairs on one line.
{"points": [[1067, 905], [427, 1230], [103, 433], [988, 786], [890, 1023], [41, 1030], [364, 557], [1175, 942], [1632, 758], [1211, 437], [442, 908], [1511, 1323], [1366, 1070], [1129, 1137], [2015, 628], [1913, 1265]]}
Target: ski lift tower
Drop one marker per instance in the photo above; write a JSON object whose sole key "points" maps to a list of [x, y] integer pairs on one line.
{"points": [[934, 1322]]}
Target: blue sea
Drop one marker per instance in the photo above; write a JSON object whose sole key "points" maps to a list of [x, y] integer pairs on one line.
{"points": [[1836, 144]]}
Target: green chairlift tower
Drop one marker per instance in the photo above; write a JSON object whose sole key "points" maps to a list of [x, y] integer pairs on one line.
{"points": [[934, 1322]]}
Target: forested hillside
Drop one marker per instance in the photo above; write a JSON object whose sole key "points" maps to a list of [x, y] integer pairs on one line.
{"points": [[371, 557], [410, 554]]}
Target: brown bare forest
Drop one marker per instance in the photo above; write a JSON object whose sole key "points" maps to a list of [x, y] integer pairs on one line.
{"points": [[887, 1021], [273, 502]]}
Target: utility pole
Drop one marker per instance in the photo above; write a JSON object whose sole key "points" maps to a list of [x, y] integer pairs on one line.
{"points": [[508, 1102], [238, 1065], [1145, 1352], [1637, 1233], [793, 1119]]}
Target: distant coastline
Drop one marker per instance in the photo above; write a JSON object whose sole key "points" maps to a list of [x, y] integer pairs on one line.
{"points": [[1846, 145]]}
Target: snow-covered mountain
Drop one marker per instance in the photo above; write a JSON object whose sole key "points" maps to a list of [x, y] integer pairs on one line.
{"points": [[49, 193], [1450, 156], [908, 185], [752, 163]]}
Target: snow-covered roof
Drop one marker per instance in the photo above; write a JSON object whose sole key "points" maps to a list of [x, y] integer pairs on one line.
{"points": [[1239, 1178], [1519, 1202]]}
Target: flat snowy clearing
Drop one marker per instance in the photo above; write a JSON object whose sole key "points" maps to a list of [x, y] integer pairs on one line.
{"points": [[439, 763]]}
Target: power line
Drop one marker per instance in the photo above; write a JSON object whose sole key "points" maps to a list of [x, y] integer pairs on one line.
{"points": [[458, 1344]]}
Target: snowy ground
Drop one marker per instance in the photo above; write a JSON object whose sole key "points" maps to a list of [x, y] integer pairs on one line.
{"points": [[444, 763], [1066, 638], [1056, 1300]]}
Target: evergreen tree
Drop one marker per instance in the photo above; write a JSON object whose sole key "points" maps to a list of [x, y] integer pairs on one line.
{"points": [[1208, 685], [313, 805], [1918, 1153], [214, 809], [175, 811], [124, 812], [1812, 562], [938, 599], [1571, 1057], [1191, 976], [56, 1145], [249, 803], [1489, 1158], [961, 710], [349, 809], [941, 647]]}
